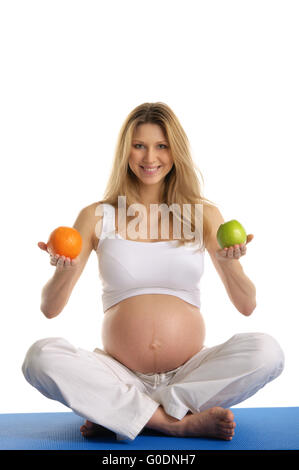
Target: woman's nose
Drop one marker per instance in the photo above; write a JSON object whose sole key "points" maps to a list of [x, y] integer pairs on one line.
{"points": [[150, 156]]}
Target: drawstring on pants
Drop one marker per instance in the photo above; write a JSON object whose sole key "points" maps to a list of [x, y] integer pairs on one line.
{"points": [[158, 379], [155, 379]]}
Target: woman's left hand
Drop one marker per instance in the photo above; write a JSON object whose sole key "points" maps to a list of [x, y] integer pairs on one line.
{"points": [[235, 251]]}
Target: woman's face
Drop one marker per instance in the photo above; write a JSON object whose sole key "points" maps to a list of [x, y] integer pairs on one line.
{"points": [[150, 158]]}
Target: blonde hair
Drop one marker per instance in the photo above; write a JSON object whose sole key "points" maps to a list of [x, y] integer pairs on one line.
{"points": [[181, 184]]}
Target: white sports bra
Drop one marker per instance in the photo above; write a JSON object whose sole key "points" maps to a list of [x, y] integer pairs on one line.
{"points": [[128, 268]]}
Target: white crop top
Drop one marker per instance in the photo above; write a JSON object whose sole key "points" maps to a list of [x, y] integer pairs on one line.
{"points": [[128, 268]]}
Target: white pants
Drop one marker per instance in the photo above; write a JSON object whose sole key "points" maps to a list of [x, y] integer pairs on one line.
{"points": [[99, 388]]}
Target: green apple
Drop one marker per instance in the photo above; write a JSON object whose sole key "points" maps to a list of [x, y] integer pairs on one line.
{"points": [[231, 233]]}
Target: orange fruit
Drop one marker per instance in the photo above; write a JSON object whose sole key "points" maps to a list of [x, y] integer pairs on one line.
{"points": [[65, 241]]}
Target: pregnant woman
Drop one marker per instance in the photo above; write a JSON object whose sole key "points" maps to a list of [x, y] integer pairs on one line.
{"points": [[154, 369]]}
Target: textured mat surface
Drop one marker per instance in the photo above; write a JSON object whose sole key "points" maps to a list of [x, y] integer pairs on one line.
{"points": [[257, 429]]}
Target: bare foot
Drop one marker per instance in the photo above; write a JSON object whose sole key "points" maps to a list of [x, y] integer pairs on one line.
{"points": [[89, 429], [215, 422]]}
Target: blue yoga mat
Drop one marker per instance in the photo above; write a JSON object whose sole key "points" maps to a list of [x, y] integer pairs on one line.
{"points": [[257, 429]]}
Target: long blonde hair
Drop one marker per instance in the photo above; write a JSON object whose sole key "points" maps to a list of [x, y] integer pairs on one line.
{"points": [[181, 184]]}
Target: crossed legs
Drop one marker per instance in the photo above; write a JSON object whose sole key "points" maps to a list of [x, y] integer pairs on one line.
{"points": [[195, 402]]}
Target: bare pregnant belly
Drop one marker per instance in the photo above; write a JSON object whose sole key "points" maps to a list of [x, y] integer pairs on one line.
{"points": [[153, 333]]}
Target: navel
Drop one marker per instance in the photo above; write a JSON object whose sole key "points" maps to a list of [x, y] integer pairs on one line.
{"points": [[155, 345]]}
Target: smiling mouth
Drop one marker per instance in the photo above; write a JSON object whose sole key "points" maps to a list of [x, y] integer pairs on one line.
{"points": [[150, 171], [150, 167]]}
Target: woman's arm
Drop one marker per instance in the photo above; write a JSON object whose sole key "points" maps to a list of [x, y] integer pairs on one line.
{"points": [[239, 287], [57, 291]]}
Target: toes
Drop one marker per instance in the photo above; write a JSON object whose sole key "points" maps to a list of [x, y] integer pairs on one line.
{"points": [[226, 425], [228, 416], [226, 429], [227, 434], [87, 428], [223, 415], [87, 433], [84, 430]]}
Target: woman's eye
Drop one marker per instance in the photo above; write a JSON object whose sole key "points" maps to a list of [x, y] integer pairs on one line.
{"points": [[163, 145]]}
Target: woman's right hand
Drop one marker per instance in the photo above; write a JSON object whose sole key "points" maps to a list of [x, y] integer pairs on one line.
{"points": [[61, 262]]}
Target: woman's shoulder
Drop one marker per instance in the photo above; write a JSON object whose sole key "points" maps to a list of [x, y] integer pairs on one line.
{"points": [[213, 218], [94, 209], [210, 210], [97, 208], [93, 214]]}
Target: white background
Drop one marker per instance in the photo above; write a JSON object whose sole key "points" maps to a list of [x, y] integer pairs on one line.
{"points": [[71, 71]]}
